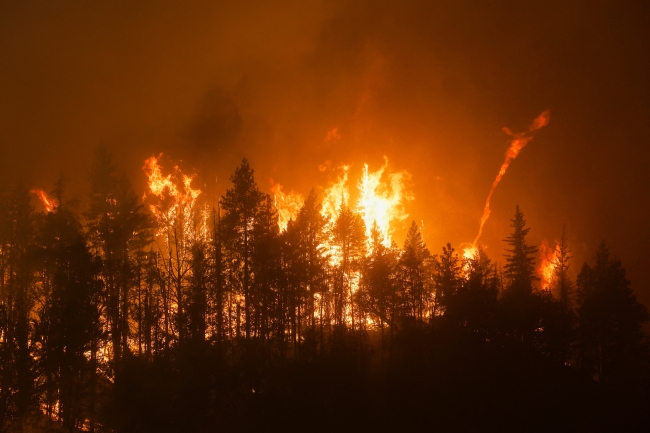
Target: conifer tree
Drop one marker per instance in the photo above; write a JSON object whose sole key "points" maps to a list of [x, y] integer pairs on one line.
{"points": [[241, 204], [411, 266], [448, 278], [69, 319], [348, 235], [610, 320], [520, 262], [118, 231], [310, 224], [17, 296]]}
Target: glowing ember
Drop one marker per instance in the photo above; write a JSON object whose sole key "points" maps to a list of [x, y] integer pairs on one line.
{"points": [[548, 263], [519, 140], [287, 204], [382, 203], [48, 203]]}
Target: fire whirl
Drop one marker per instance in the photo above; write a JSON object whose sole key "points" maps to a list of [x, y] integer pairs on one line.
{"points": [[519, 141]]}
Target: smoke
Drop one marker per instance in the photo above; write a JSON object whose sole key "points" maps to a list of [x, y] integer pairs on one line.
{"points": [[519, 140]]}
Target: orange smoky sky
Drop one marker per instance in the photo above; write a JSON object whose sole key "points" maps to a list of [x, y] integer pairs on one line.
{"points": [[303, 87]]}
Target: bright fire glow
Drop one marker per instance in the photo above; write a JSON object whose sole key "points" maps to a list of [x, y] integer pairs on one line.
{"points": [[287, 204], [381, 199], [382, 203], [336, 196], [176, 199], [548, 263], [48, 203], [470, 252]]}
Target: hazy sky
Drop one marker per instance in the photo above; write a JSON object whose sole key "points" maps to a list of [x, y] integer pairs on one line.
{"points": [[428, 84]]}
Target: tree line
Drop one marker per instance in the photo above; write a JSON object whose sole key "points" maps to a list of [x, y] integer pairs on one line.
{"points": [[116, 317]]}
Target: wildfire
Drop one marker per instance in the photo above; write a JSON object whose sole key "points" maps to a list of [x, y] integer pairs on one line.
{"points": [[176, 199], [336, 196], [287, 204], [380, 203], [519, 140], [548, 263], [470, 252], [48, 203]]}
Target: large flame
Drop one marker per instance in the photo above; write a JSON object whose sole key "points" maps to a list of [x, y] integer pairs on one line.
{"points": [[48, 203], [336, 196], [288, 205], [548, 263], [381, 199], [470, 252], [519, 140], [382, 203], [176, 199]]}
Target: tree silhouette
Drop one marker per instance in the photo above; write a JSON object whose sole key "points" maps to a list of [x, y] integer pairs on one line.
{"points": [[69, 317], [241, 204], [520, 262], [348, 235], [17, 297], [118, 231], [412, 273], [610, 319]]}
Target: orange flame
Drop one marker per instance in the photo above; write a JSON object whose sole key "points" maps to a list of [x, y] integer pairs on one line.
{"points": [[548, 263], [287, 204], [518, 142], [176, 199], [381, 203], [48, 203], [336, 196], [470, 252]]}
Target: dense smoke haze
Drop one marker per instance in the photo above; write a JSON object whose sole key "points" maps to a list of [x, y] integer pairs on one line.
{"points": [[292, 85]]}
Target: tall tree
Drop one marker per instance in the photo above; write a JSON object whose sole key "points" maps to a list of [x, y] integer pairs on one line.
{"points": [[310, 224], [523, 309], [520, 262], [448, 278], [241, 204], [379, 284], [412, 273], [265, 266], [348, 237], [17, 298], [610, 320], [69, 317], [118, 231]]}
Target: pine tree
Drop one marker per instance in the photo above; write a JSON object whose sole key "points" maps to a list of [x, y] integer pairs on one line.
{"points": [[610, 320], [448, 278], [520, 262], [523, 309], [69, 318], [348, 235], [411, 266], [118, 231], [379, 284], [310, 224], [17, 296], [241, 204]]}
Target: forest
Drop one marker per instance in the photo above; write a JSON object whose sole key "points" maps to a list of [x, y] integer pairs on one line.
{"points": [[173, 315]]}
